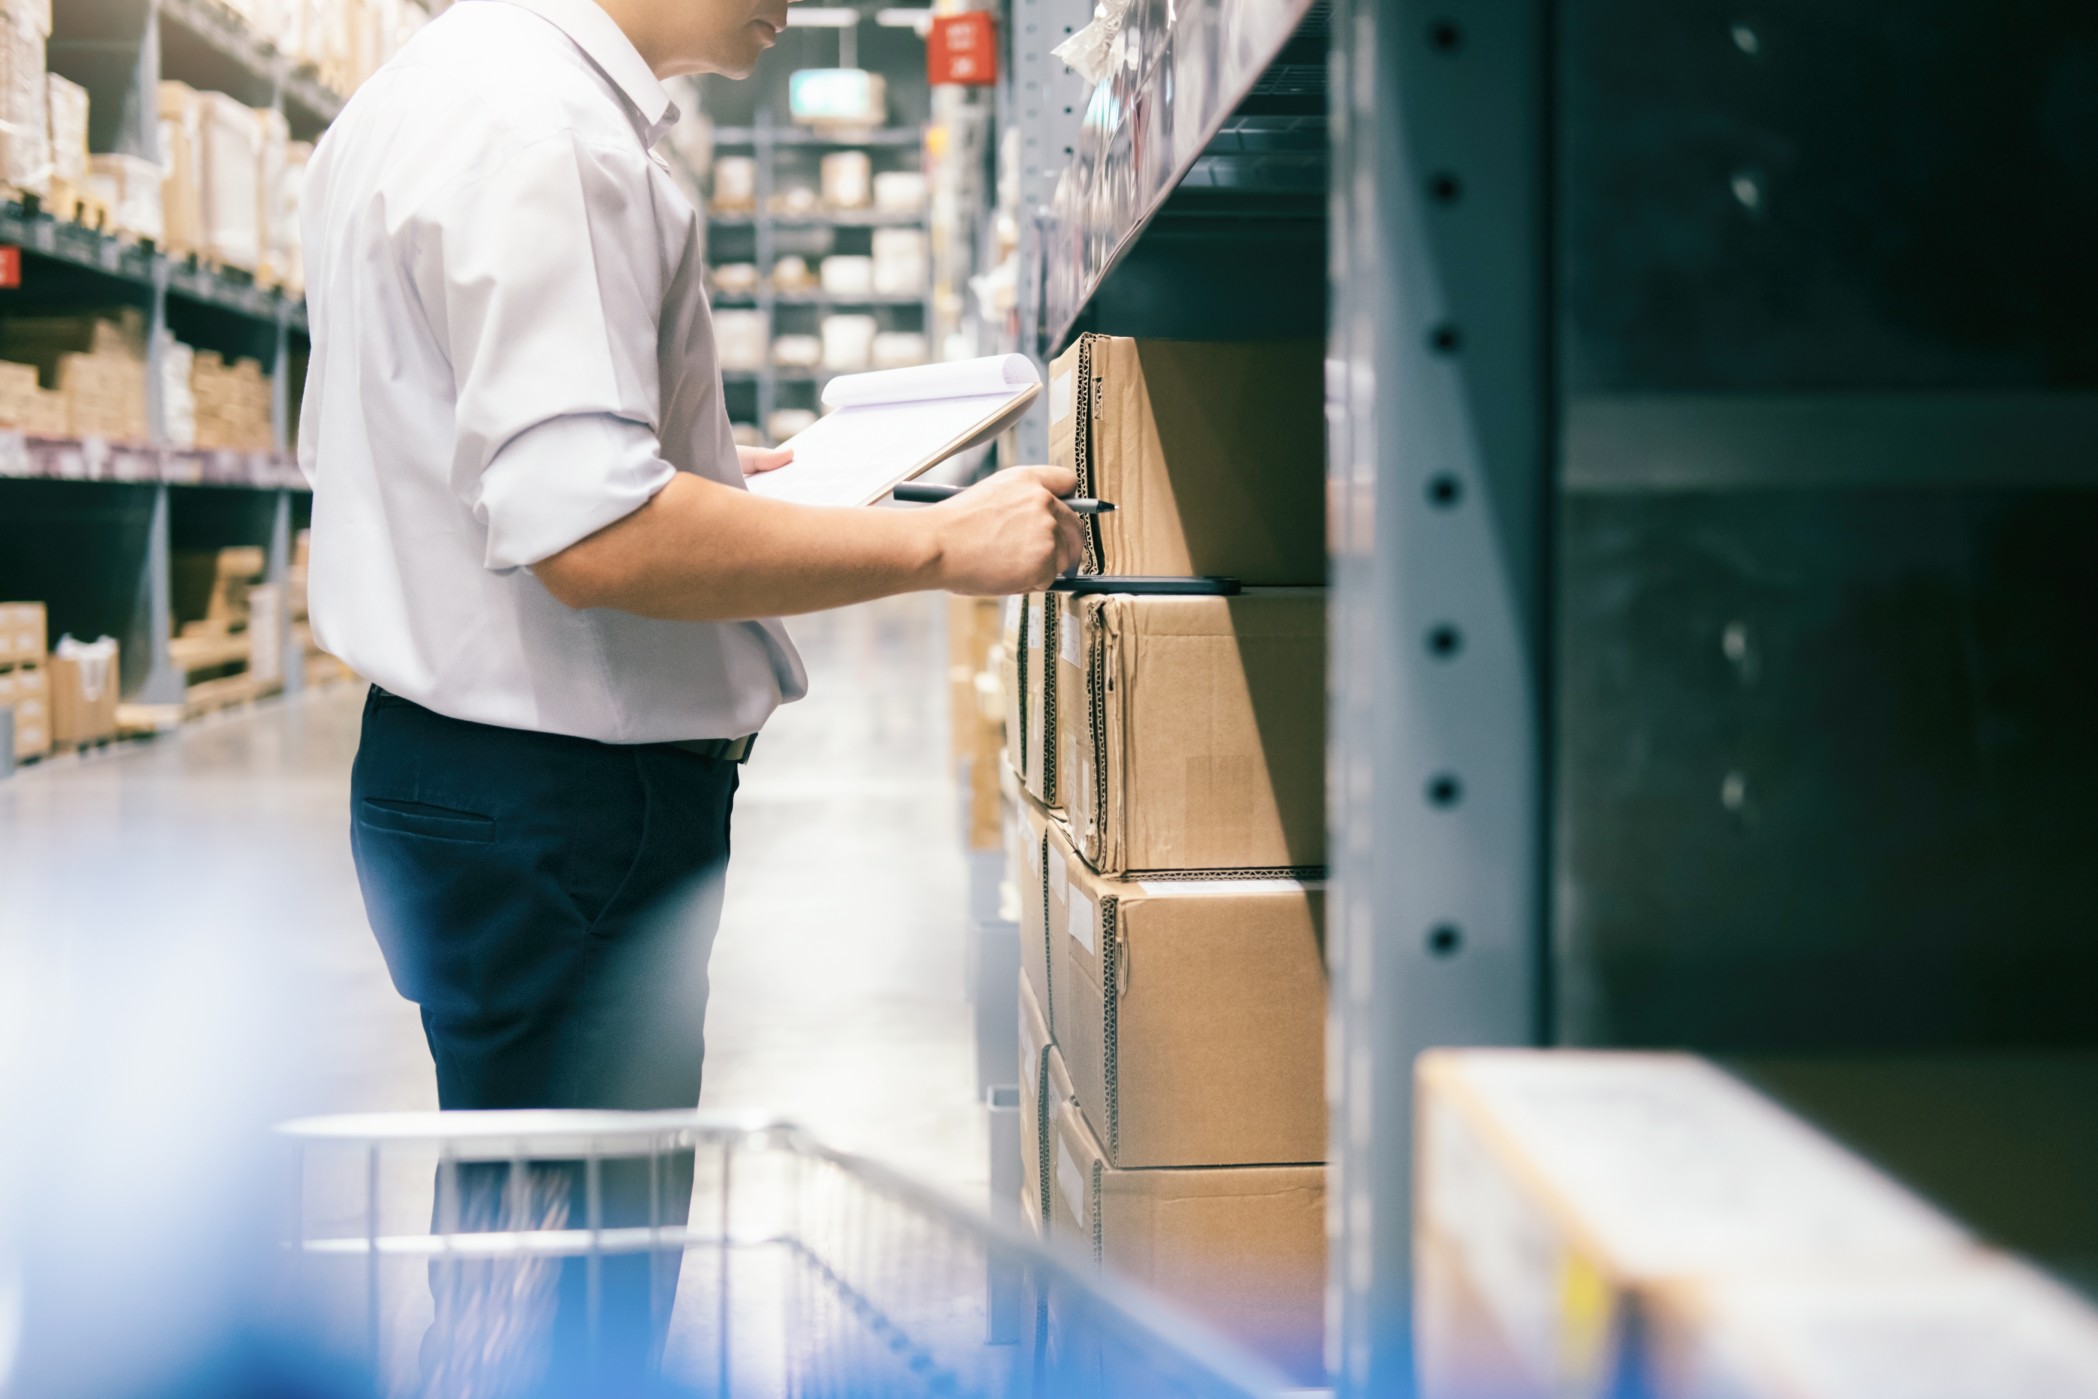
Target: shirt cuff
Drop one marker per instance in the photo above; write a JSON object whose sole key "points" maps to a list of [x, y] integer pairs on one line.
{"points": [[563, 480]]}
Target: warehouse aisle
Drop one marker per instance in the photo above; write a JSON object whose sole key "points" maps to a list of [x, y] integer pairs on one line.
{"points": [[838, 989]]}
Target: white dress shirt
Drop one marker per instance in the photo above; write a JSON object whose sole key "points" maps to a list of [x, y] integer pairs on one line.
{"points": [[511, 350]]}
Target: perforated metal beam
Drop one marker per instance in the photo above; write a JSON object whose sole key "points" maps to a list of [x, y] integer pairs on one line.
{"points": [[1438, 459]]}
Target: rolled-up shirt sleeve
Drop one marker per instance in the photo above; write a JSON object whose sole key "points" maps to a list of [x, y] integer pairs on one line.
{"points": [[544, 280]]}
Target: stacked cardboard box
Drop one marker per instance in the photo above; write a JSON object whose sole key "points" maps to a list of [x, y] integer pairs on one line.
{"points": [[84, 680], [1622, 1223], [66, 105], [96, 365], [28, 406], [25, 136], [232, 403], [25, 687], [1168, 755], [133, 190]]}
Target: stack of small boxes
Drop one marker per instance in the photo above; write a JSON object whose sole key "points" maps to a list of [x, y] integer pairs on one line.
{"points": [[25, 136], [231, 404], [25, 687], [95, 367], [1167, 790]]}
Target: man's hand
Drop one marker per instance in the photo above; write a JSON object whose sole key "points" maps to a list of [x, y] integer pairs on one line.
{"points": [[760, 459], [1009, 534]]}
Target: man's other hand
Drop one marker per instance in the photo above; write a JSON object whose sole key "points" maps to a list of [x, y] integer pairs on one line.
{"points": [[1009, 534], [761, 459]]}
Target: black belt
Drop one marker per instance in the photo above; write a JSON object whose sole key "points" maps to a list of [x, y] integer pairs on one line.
{"points": [[734, 750]]}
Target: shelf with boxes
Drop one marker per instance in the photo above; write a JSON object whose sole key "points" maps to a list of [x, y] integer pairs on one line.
{"points": [[1164, 788], [55, 696], [1201, 154], [820, 263]]}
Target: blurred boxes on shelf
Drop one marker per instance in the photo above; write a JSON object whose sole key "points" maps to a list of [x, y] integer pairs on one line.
{"points": [[846, 179], [742, 339], [848, 342], [792, 275], [84, 683], [229, 166], [797, 351], [1567, 1201], [902, 266], [847, 274], [283, 199], [1030, 680], [975, 714], [735, 279], [837, 97], [65, 104], [27, 405], [1192, 1013], [899, 349], [735, 185], [178, 392], [232, 404], [181, 115], [899, 192], [796, 202], [133, 190], [23, 632], [94, 364], [1212, 453], [1192, 730], [25, 136], [27, 691], [1241, 1247], [786, 422], [747, 434]]}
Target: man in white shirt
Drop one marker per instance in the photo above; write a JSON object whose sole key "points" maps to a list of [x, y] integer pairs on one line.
{"points": [[530, 532]]}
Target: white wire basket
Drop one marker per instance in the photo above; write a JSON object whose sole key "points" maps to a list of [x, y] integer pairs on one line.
{"points": [[799, 1271]]}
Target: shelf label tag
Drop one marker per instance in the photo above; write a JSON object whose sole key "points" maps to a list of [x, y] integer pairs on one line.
{"points": [[10, 266]]}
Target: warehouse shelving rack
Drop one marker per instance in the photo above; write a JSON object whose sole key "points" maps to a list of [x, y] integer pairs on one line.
{"points": [[765, 139], [1712, 436], [92, 527]]}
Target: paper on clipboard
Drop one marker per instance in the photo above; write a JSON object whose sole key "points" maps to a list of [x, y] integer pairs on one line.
{"points": [[889, 426]]}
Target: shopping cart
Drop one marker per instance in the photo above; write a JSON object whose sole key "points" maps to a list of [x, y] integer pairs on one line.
{"points": [[800, 1270]]}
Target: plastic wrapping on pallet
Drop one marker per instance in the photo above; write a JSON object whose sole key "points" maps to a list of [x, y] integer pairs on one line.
{"points": [[133, 190], [25, 139]]}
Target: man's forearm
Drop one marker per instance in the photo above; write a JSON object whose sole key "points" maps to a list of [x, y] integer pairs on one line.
{"points": [[700, 551]]}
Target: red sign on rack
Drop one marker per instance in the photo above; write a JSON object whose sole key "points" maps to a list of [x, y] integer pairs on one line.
{"points": [[962, 50], [10, 266]]}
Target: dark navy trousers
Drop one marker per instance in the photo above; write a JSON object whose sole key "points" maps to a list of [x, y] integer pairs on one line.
{"points": [[549, 903]]}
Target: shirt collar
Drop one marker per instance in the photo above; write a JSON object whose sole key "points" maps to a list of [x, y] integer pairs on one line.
{"points": [[607, 45]]}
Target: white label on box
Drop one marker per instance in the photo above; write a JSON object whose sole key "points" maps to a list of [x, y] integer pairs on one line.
{"points": [[1061, 399], [1070, 647], [1059, 875], [1013, 605], [1071, 1181], [1080, 924]]}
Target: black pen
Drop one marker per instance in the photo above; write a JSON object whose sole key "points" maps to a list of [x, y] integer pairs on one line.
{"points": [[912, 493]]}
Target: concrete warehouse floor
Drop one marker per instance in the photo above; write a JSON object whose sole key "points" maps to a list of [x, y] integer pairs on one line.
{"points": [[153, 881]]}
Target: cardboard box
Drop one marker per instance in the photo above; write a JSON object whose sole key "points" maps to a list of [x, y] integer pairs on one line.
{"points": [[23, 629], [134, 190], [1564, 1197], [181, 112], [1031, 677], [1192, 1014], [1045, 1085], [1214, 455], [1194, 731], [230, 165], [84, 679], [27, 691], [1242, 1247], [1030, 836], [25, 137], [65, 104], [1989, 1327]]}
